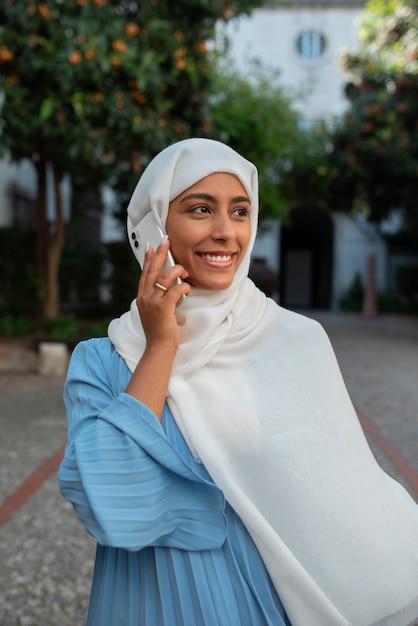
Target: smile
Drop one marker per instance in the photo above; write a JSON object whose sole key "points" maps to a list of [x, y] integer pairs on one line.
{"points": [[217, 258]]}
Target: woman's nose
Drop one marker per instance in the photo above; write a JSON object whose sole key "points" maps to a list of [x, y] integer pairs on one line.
{"points": [[223, 227]]}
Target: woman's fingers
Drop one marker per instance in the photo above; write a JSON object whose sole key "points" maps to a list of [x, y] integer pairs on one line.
{"points": [[162, 277], [159, 294]]}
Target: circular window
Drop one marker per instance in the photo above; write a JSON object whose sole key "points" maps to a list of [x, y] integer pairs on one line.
{"points": [[311, 44]]}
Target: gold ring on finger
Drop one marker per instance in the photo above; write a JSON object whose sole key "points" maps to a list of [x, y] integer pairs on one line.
{"points": [[161, 287]]}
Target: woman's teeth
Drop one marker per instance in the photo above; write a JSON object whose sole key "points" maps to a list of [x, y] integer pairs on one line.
{"points": [[216, 258]]}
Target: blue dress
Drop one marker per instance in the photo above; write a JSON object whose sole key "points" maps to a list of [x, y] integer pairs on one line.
{"points": [[170, 550]]}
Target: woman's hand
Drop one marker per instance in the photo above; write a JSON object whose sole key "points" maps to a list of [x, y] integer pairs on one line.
{"points": [[157, 304], [157, 307]]}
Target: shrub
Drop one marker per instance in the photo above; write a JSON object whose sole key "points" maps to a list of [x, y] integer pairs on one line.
{"points": [[352, 300], [12, 325], [63, 327]]}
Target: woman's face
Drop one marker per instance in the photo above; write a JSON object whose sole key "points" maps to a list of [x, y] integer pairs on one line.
{"points": [[209, 229]]}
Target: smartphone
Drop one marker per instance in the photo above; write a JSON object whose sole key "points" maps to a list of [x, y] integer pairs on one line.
{"points": [[147, 231]]}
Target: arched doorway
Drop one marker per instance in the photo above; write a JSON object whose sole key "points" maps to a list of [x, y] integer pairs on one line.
{"points": [[306, 254]]}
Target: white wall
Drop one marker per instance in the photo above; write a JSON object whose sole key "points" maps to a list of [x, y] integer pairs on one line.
{"points": [[356, 241], [267, 244], [22, 175], [112, 229], [270, 35]]}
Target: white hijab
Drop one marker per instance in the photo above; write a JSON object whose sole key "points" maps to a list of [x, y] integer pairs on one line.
{"points": [[257, 393]]}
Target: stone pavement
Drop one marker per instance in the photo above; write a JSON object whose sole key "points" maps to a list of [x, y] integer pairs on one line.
{"points": [[47, 558], [379, 361]]}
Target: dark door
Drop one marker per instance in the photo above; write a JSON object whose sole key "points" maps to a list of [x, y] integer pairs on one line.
{"points": [[306, 259]]}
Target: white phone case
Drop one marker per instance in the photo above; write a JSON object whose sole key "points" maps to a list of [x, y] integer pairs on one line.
{"points": [[147, 231]]}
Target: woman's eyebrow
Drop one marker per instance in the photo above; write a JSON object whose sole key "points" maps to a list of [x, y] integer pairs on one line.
{"points": [[210, 198]]}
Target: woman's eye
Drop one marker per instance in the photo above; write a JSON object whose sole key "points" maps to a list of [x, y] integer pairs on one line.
{"points": [[242, 212], [200, 209]]}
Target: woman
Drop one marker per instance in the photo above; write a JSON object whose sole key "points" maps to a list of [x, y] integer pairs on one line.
{"points": [[213, 451]]}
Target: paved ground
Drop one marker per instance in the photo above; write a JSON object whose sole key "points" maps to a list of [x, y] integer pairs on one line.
{"points": [[46, 557]]}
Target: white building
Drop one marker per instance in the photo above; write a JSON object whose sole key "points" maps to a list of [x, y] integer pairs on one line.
{"points": [[320, 256], [302, 39]]}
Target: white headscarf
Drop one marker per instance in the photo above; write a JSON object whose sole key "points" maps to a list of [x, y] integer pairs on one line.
{"points": [[258, 396]]}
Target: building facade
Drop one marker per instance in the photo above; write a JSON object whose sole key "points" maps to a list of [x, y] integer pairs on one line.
{"points": [[303, 40]]}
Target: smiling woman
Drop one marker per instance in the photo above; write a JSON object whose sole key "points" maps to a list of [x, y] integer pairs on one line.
{"points": [[213, 450], [209, 230]]}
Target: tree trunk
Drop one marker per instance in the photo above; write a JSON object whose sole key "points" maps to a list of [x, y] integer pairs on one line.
{"points": [[42, 225], [55, 246]]}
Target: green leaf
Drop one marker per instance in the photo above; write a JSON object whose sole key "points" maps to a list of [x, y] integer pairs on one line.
{"points": [[47, 108]]}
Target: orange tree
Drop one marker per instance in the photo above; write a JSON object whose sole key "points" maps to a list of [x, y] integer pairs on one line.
{"points": [[94, 88], [376, 142]]}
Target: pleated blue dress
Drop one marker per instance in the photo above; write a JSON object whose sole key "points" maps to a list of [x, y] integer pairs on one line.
{"points": [[170, 549]]}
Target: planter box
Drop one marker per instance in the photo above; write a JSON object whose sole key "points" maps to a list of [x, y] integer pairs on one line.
{"points": [[53, 358]]}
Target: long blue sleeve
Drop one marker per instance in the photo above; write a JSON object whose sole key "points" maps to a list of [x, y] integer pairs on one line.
{"points": [[128, 484]]}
